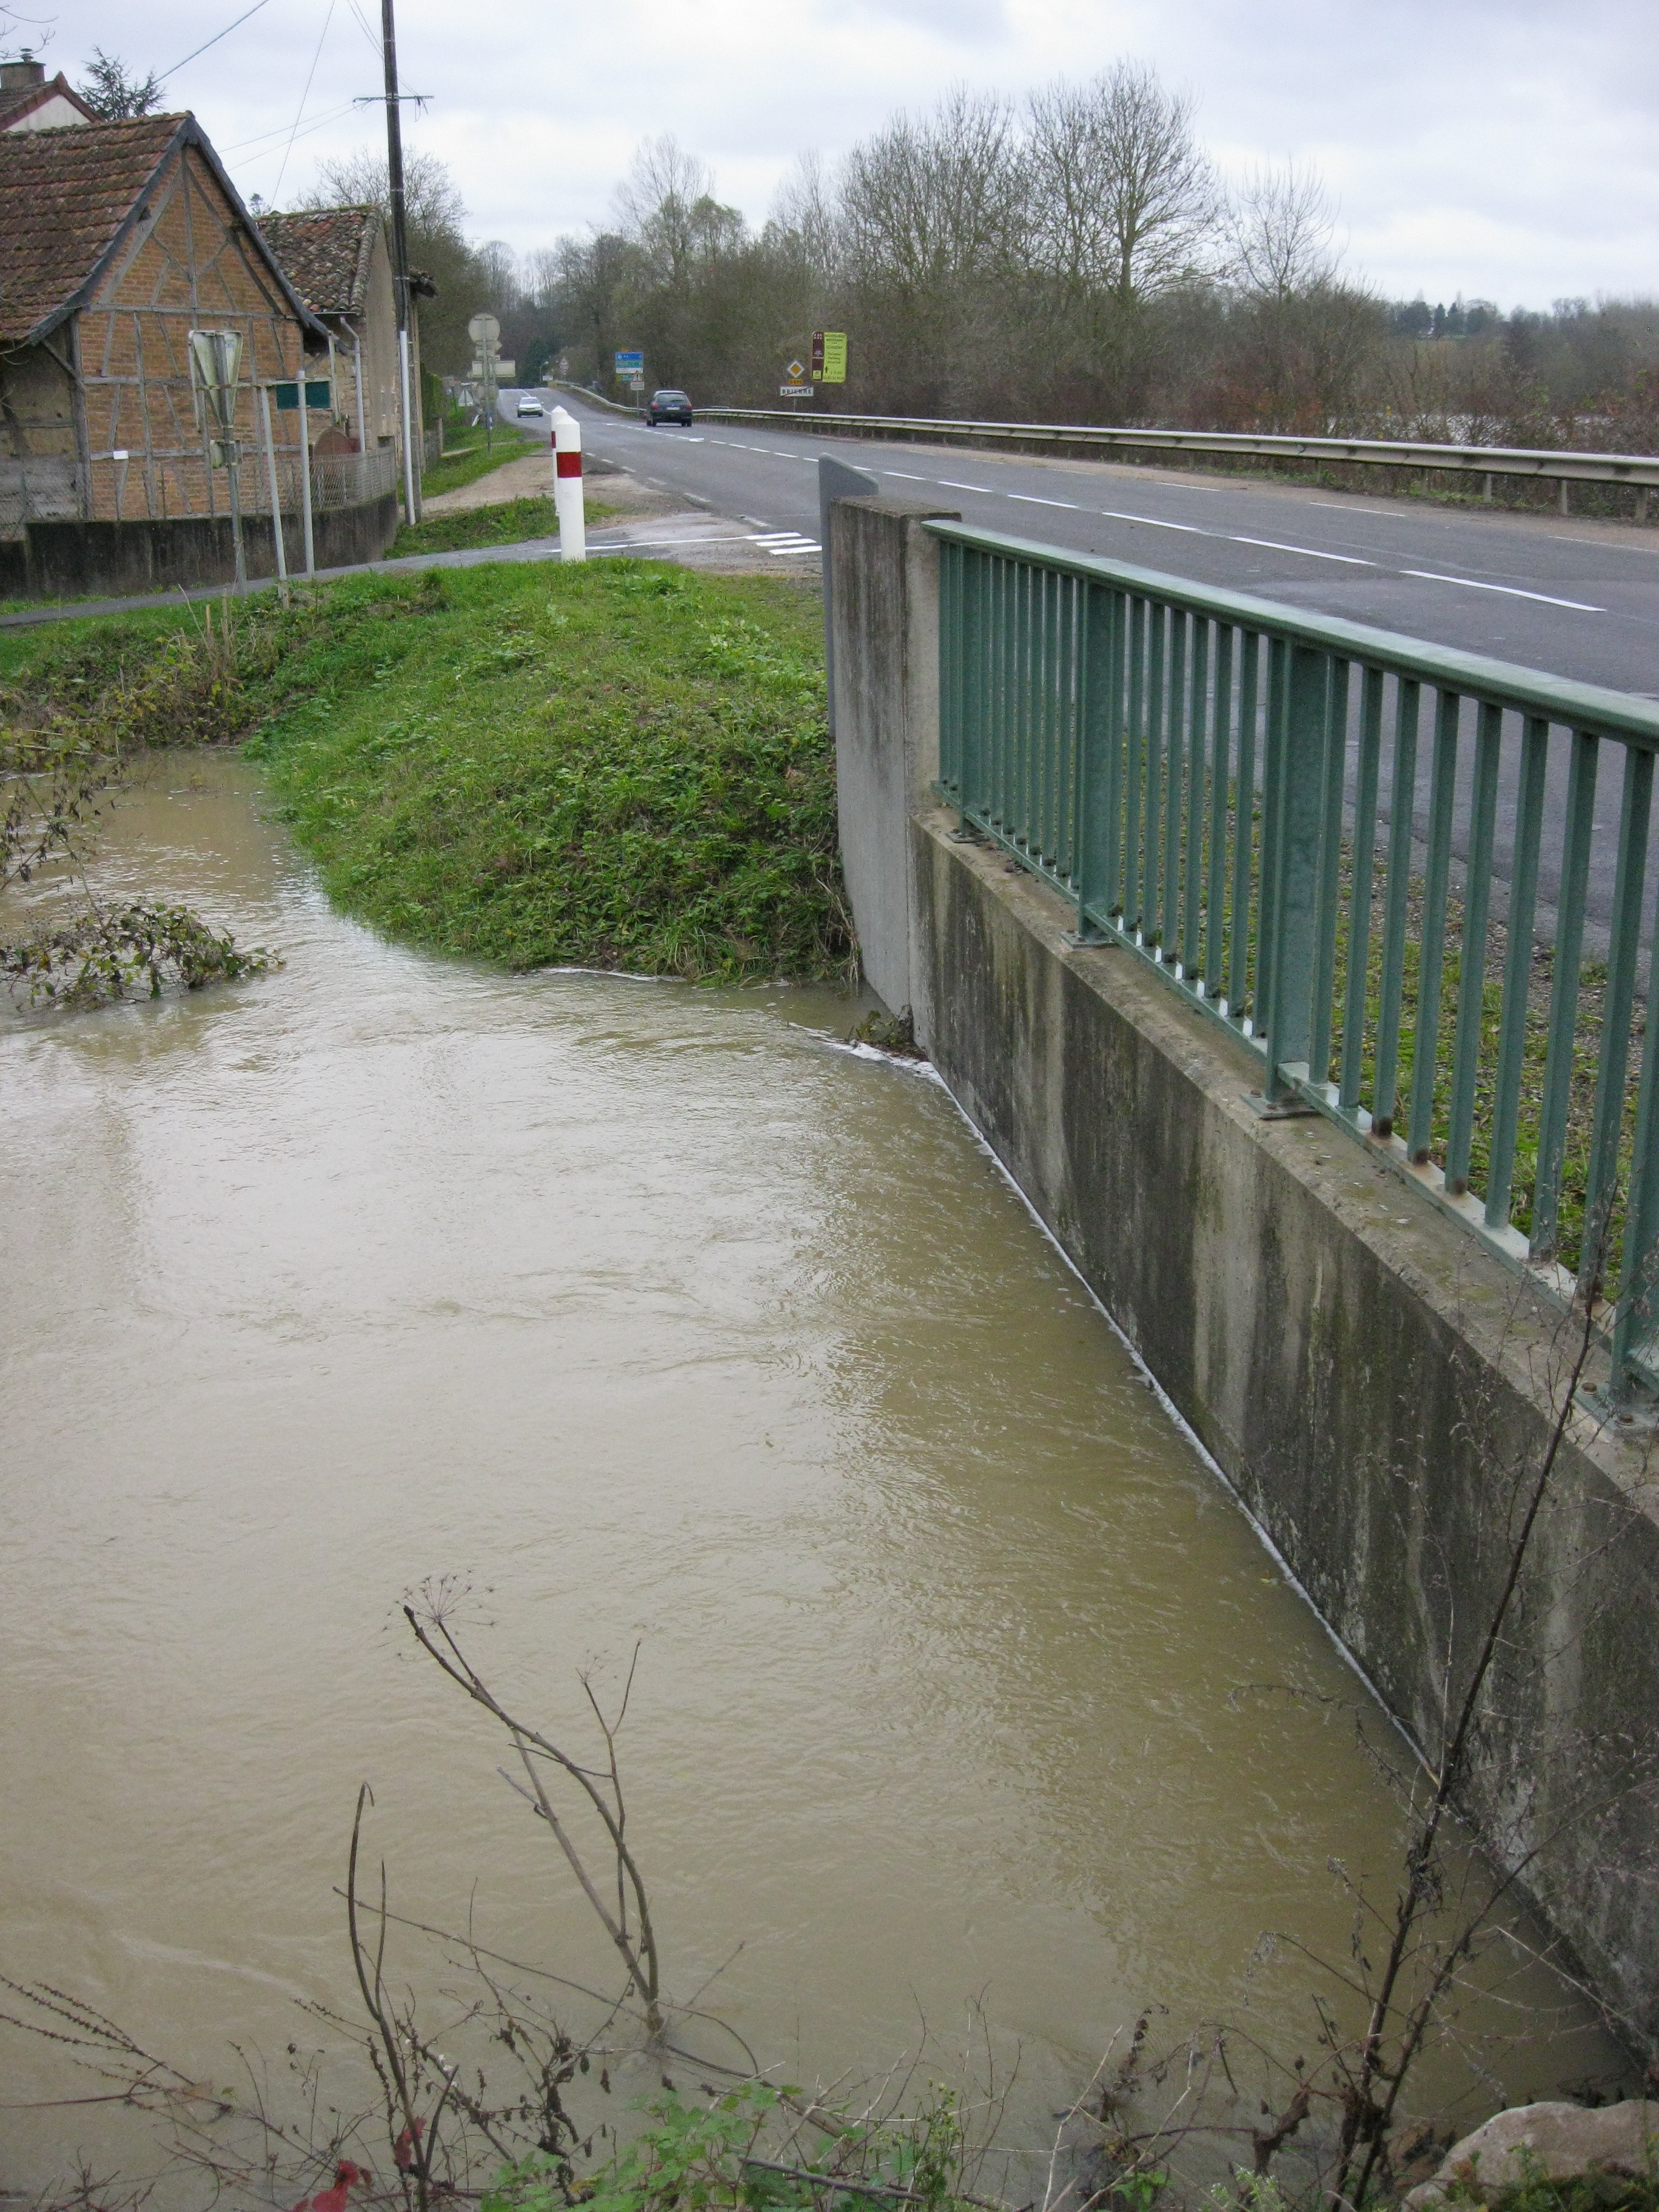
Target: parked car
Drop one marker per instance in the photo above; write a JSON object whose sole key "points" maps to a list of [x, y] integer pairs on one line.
{"points": [[667, 406], [529, 404]]}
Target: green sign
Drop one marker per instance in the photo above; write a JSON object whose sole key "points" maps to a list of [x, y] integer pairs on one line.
{"points": [[318, 393]]}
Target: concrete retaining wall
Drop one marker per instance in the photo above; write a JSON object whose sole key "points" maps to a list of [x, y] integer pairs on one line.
{"points": [[1373, 1382], [116, 560]]}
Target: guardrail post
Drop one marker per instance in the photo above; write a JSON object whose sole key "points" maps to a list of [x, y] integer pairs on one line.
{"points": [[1299, 732]]}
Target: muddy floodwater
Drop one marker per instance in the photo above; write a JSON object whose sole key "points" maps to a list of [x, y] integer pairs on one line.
{"points": [[653, 1318]]}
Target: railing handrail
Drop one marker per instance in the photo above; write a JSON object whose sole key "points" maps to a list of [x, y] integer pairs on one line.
{"points": [[1201, 774], [1579, 706], [1638, 468]]}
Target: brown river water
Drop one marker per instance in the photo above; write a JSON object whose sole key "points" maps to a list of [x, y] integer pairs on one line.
{"points": [[654, 1317]]}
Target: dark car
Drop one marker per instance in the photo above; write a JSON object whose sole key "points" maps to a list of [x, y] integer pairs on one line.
{"points": [[668, 407]]}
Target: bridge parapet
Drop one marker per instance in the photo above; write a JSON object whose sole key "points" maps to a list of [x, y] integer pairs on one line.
{"points": [[1172, 954]]}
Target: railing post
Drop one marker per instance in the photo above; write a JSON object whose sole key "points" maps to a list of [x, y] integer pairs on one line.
{"points": [[1099, 746], [1300, 731], [1634, 1319]]}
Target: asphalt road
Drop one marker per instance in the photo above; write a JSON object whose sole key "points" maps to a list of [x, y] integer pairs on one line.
{"points": [[1580, 599]]}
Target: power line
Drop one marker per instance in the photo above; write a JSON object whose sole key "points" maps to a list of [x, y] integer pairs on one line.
{"points": [[362, 25], [214, 41], [276, 190], [264, 137]]}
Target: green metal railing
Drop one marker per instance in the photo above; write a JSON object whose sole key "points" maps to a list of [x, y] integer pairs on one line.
{"points": [[1338, 843]]}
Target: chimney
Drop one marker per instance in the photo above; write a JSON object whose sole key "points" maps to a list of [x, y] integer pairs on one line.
{"points": [[20, 76]]}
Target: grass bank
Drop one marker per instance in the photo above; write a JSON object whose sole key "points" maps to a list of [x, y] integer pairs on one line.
{"points": [[474, 460], [620, 765]]}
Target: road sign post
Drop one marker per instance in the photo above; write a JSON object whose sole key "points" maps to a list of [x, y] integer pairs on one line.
{"points": [[485, 333]]}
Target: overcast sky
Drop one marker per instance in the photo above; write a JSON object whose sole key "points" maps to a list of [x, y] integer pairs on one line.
{"points": [[1501, 149]]}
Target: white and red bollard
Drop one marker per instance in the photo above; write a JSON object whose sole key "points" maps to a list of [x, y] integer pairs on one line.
{"points": [[567, 485]]}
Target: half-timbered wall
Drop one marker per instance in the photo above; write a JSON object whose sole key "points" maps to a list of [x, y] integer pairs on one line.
{"points": [[37, 404], [188, 263]]}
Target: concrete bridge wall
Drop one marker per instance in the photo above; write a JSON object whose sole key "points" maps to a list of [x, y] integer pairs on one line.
{"points": [[1373, 1382]]}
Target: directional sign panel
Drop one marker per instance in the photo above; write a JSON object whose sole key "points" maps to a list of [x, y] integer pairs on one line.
{"points": [[630, 363], [829, 356]]}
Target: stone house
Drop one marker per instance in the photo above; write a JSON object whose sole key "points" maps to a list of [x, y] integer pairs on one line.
{"points": [[339, 261], [31, 102]]}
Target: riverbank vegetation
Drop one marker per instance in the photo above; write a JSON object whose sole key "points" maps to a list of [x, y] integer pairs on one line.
{"points": [[61, 749], [619, 765]]}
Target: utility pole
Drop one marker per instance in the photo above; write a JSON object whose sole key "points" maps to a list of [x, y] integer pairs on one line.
{"points": [[394, 171]]}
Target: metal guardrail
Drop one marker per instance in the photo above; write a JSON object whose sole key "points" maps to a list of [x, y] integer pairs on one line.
{"points": [[1641, 470], [1231, 790]]}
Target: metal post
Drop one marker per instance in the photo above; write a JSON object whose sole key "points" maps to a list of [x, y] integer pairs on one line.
{"points": [[1302, 737], [410, 508], [276, 493], [357, 367], [233, 450], [305, 473]]}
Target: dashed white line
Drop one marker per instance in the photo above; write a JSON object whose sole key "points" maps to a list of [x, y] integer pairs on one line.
{"points": [[906, 474], [1153, 522], [1272, 546], [1030, 499], [1509, 591], [950, 484]]}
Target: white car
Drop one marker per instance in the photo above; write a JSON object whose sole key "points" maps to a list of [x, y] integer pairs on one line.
{"points": [[529, 406]]}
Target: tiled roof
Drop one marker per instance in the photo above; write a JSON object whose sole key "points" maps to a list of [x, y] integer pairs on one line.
{"points": [[64, 195], [25, 98], [65, 199], [326, 252]]}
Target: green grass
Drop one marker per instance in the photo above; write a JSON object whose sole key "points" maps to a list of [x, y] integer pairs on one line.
{"points": [[458, 470], [620, 765], [509, 524]]}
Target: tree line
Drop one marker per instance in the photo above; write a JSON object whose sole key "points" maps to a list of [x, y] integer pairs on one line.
{"points": [[1073, 256]]}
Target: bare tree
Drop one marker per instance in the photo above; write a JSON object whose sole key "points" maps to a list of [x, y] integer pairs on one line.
{"points": [[935, 204], [1279, 226], [1122, 196]]}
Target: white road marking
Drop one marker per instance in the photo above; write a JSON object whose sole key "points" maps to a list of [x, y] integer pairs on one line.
{"points": [[1509, 591], [1153, 522], [950, 484], [1030, 499], [907, 476], [806, 546], [1272, 546], [759, 521]]}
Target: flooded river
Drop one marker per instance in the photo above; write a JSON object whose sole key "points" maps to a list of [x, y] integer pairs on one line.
{"points": [[654, 1318]]}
